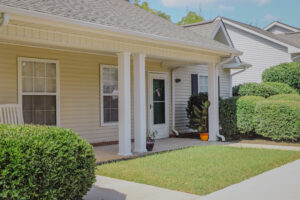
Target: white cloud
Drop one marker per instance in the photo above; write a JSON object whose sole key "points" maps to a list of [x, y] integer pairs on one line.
{"points": [[270, 17], [226, 8], [262, 2], [185, 3]]}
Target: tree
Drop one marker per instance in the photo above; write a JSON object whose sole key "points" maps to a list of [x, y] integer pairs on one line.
{"points": [[191, 17], [144, 5]]}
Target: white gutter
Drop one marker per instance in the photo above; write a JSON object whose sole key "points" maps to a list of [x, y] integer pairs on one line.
{"points": [[195, 45], [5, 20], [219, 65], [173, 102]]}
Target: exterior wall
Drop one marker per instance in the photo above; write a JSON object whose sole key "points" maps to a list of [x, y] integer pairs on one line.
{"points": [[183, 91], [79, 87], [259, 52], [279, 30]]}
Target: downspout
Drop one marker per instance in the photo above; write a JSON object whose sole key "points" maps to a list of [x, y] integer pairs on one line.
{"points": [[173, 102], [5, 20], [217, 66]]}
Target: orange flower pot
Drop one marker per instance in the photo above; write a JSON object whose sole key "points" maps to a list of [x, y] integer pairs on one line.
{"points": [[204, 136]]}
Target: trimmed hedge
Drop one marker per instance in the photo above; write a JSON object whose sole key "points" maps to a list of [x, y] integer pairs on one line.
{"points": [[278, 119], [228, 118], [288, 73], [235, 90], [39, 162], [256, 89], [246, 119], [287, 97], [281, 88]]}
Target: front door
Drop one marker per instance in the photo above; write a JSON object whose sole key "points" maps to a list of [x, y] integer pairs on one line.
{"points": [[158, 104]]}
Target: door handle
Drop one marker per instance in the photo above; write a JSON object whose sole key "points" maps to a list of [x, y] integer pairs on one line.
{"points": [[150, 106]]}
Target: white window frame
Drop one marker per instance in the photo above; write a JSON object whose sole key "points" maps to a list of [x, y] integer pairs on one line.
{"points": [[102, 123], [201, 74], [57, 93]]}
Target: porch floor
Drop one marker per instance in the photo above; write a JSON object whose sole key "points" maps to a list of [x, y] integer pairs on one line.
{"points": [[110, 152]]}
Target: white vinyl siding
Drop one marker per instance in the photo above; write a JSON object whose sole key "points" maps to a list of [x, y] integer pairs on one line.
{"points": [[259, 52], [39, 90], [183, 91], [109, 94]]}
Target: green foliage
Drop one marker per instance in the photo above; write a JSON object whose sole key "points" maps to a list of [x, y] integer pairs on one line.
{"points": [[246, 116], [235, 90], [256, 89], [144, 5], [198, 101], [39, 162], [278, 119], [201, 116], [287, 97], [288, 73], [191, 17], [228, 118], [281, 88]]}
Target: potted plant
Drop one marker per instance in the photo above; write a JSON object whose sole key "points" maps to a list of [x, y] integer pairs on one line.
{"points": [[201, 119], [150, 140]]}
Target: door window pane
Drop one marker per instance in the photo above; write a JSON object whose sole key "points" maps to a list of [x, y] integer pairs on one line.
{"points": [[159, 112], [158, 90]]}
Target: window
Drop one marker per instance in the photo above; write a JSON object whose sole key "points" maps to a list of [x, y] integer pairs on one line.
{"points": [[38, 91], [109, 95], [202, 83]]}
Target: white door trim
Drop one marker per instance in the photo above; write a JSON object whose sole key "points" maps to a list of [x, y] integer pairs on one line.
{"points": [[165, 76]]}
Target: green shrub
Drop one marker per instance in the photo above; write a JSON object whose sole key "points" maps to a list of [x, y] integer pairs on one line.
{"points": [[256, 89], [281, 88], [195, 100], [235, 90], [228, 118], [278, 119], [287, 97], [246, 119], [44, 163], [288, 73]]}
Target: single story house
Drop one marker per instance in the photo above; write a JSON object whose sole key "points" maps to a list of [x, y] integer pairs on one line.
{"points": [[101, 67], [262, 48]]}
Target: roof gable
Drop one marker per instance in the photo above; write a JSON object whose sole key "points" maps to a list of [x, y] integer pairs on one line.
{"points": [[279, 25]]}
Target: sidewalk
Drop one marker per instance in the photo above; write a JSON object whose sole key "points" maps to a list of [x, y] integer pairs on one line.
{"points": [[265, 146], [278, 184], [114, 189]]}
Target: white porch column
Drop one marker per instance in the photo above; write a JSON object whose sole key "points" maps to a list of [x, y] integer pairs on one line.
{"points": [[139, 103], [213, 97], [124, 103]]}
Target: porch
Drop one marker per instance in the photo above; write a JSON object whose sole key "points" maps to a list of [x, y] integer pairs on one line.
{"points": [[109, 153]]}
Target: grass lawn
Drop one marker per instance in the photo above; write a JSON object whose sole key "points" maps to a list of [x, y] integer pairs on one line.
{"points": [[198, 170]]}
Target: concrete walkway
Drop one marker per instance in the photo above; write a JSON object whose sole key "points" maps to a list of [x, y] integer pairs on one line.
{"points": [[278, 184], [114, 189]]}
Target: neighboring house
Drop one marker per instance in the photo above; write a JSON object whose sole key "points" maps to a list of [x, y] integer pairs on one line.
{"points": [[100, 67], [278, 43]]}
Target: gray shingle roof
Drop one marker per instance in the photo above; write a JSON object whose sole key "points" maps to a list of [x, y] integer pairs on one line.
{"points": [[292, 37], [266, 33], [205, 28], [118, 14]]}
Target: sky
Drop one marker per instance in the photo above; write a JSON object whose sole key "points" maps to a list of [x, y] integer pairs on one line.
{"points": [[255, 12]]}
